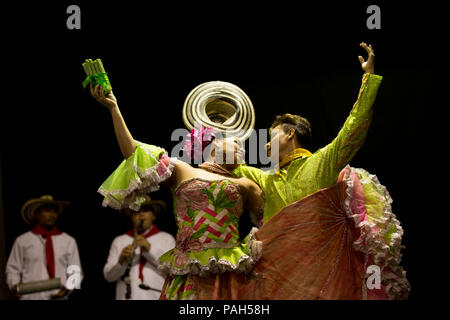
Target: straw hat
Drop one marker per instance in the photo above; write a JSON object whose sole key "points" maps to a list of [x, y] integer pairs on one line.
{"points": [[147, 202], [222, 106], [30, 207]]}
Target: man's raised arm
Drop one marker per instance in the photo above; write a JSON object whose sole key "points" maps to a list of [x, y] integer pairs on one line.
{"points": [[351, 137]]}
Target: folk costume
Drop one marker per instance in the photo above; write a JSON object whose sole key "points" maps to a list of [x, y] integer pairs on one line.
{"points": [[319, 236], [40, 254], [144, 266]]}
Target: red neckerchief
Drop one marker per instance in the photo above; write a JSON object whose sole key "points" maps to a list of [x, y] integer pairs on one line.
{"points": [[49, 253], [142, 261]]}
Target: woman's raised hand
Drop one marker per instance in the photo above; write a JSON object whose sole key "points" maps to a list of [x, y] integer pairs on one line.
{"points": [[108, 100]]}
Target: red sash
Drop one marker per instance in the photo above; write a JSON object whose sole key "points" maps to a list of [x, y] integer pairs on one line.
{"points": [[49, 253]]}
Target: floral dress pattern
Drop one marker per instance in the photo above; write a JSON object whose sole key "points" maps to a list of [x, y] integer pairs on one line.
{"points": [[207, 215], [207, 243]]}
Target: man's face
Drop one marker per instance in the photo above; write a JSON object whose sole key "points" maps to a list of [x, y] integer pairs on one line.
{"points": [[146, 216], [280, 138], [46, 216]]}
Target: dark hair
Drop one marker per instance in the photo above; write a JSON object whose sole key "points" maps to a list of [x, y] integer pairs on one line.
{"points": [[301, 126]]}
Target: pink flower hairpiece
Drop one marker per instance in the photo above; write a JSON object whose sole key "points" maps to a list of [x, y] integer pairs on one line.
{"points": [[197, 140]]}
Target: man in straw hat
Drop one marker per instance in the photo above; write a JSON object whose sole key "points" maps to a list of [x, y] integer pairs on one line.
{"points": [[133, 258], [44, 252]]}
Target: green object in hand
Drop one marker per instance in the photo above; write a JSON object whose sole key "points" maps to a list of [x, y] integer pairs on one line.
{"points": [[95, 74]]}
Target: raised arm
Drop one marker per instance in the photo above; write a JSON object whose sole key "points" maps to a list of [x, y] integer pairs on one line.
{"points": [[350, 138], [123, 135], [145, 166]]}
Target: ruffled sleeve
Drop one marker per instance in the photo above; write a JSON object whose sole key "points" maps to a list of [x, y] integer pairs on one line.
{"points": [[137, 176]]}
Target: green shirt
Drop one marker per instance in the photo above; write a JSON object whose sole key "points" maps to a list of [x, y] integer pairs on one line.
{"points": [[309, 174]]}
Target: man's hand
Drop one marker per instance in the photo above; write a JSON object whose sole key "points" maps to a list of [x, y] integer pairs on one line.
{"points": [[126, 254], [142, 242], [15, 292], [60, 294], [369, 65], [108, 100]]}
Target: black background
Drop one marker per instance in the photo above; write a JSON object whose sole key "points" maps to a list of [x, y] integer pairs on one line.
{"points": [[288, 57]]}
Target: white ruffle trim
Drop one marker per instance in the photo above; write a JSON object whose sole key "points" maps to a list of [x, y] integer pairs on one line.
{"points": [[244, 264], [148, 181], [373, 244]]}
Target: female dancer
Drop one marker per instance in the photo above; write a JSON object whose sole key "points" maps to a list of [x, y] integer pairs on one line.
{"points": [[208, 202]]}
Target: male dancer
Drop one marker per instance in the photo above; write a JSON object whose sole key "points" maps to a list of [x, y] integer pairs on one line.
{"points": [[342, 230], [302, 173]]}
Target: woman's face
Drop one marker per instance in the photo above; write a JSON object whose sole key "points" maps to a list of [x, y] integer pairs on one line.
{"points": [[229, 151]]}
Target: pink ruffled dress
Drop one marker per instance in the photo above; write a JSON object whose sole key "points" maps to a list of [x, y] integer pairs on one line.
{"points": [[342, 242]]}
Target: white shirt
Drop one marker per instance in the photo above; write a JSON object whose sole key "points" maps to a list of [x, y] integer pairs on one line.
{"points": [[160, 243], [27, 261]]}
